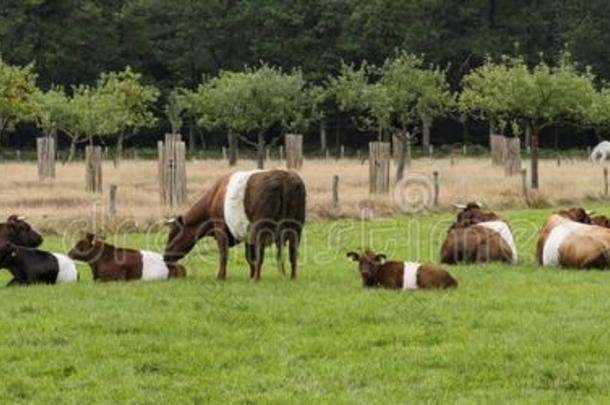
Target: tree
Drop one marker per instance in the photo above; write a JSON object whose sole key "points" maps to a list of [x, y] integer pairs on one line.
{"points": [[540, 96], [418, 95], [132, 102], [405, 94], [95, 114], [252, 101], [17, 90], [179, 102]]}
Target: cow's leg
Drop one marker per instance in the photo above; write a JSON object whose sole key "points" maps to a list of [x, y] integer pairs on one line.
{"points": [[251, 258], [260, 257], [294, 239], [223, 252], [279, 255]]}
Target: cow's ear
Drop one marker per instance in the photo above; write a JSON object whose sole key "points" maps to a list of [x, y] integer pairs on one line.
{"points": [[353, 256], [381, 258]]}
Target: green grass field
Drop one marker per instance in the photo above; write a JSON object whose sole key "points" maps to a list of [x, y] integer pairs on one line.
{"points": [[508, 333]]}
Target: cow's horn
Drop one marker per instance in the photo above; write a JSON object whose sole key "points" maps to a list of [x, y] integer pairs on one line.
{"points": [[589, 212], [459, 206], [21, 218], [170, 221], [479, 204]]}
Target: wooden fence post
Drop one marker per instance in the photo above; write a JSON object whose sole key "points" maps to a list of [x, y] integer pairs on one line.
{"points": [[379, 167], [172, 170], [498, 149], [45, 147], [281, 152], [112, 202], [327, 154], [437, 187], [93, 168], [342, 152], [335, 191], [431, 151], [605, 182], [267, 154], [512, 163], [294, 151]]}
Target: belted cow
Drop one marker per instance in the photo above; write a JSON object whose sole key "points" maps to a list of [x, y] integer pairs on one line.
{"points": [[478, 236], [256, 207], [17, 231], [568, 239], [110, 263], [377, 271], [34, 266]]}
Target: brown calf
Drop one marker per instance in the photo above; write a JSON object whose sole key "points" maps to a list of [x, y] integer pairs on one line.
{"points": [[109, 263], [376, 271]]}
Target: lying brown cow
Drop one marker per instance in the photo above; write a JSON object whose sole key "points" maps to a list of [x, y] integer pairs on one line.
{"points": [[377, 272], [256, 207], [478, 236], [18, 232], [109, 263], [568, 239]]}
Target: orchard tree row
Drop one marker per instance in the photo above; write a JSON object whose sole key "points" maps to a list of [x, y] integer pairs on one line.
{"points": [[401, 97]]}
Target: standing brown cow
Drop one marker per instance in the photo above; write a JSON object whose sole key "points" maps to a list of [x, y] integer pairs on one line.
{"points": [[256, 207]]}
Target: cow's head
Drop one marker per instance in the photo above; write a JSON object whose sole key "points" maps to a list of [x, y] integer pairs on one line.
{"points": [[7, 252], [470, 214], [19, 232], [368, 265], [601, 220], [182, 237], [87, 249], [577, 215]]}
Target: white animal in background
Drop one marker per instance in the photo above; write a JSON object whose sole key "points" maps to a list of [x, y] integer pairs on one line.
{"points": [[601, 152]]}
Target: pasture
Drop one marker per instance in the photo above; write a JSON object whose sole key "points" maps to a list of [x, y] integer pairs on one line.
{"points": [[508, 333], [62, 203]]}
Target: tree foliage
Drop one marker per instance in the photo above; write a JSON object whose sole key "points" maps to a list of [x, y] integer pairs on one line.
{"points": [[17, 91], [253, 101]]}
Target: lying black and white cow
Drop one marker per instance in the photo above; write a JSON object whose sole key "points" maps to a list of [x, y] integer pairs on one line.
{"points": [[34, 266]]}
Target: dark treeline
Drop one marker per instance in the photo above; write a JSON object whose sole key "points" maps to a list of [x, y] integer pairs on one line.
{"points": [[174, 43]]}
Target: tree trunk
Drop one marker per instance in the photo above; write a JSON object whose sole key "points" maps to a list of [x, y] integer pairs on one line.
{"points": [[192, 145], [232, 148], [323, 140], [260, 151], [426, 124], [492, 129], [534, 157], [400, 157], [119, 148], [408, 141], [72, 150]]}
